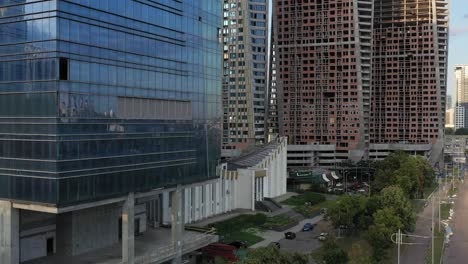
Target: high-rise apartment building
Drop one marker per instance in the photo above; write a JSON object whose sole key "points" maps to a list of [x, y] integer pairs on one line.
{"points": [[361, 78], [461, 95], [324, 76], [409, 76], [245, 74], [449, 102], [104, 106]]}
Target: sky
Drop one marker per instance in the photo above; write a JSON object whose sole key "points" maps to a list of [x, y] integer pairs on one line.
{"points": [[458, 40]]}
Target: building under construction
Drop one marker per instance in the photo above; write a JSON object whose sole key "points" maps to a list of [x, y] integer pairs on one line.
{"points": [[360, 78], [409, 76]]}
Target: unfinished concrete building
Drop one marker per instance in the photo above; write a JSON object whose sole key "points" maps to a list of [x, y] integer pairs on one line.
{"points": [[409, 77], [324, 64], [360, 78], [245, 40]]}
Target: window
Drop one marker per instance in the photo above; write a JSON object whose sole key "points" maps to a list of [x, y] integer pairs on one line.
{"points": [[64, 69]]}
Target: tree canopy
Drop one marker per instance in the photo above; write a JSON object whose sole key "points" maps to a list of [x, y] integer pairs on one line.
{"points": [[332, 254], [410, 173], [461, 131], [347, 210], [273, 255]]}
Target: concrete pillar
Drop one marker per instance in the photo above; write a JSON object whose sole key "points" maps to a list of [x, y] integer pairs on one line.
{"points": [[177, 224], [128, 230], [165, 207], [9, 233]]}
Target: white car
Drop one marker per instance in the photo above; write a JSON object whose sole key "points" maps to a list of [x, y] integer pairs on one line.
{"points": [[339, 185], [323, 236]]}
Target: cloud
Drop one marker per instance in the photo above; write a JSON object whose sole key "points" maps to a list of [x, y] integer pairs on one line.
{"points": [[465, 16], [460, 30]]}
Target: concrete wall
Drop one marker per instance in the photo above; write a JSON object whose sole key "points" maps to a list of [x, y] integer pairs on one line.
{"points": [[36, 228], [245, 189], [89, 229], [35, 246], [9, 233], [95, 228]]}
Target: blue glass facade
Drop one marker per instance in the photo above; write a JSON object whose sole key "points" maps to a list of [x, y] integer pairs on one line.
{"points": [[102, 97]]}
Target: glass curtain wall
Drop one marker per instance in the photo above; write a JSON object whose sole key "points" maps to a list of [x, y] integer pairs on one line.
{"points": [[100, 98]]}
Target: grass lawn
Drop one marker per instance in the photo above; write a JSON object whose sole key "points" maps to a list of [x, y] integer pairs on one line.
{"points": [[453, 188], [309, 198], [308, 210], [242, 227], [249, 238], [277, 221], [445, 210], [438, 246]]}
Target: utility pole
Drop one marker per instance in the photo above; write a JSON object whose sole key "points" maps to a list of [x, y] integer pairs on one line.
{"points": [[399, 243], [433, 229], [438, 195]]}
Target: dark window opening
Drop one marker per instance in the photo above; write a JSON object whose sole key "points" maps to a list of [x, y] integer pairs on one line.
{"points": [[50, 246], [64, 69]]}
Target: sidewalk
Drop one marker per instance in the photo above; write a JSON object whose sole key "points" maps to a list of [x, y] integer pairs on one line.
{"points": [[273, 236], [417, 253]]}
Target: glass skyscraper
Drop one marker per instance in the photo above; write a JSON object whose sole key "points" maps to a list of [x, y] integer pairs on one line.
{"points": [[99, 98]]}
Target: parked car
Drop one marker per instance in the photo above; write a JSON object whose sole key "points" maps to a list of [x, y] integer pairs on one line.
{"points": [[308, 227], [323, 236], [275, 244], [361, 191], [290, 235], [338, 189], [339, 185], [238, 244]]}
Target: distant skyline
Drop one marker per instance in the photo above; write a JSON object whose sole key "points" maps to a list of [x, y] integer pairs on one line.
{"points": [[458, 41]]}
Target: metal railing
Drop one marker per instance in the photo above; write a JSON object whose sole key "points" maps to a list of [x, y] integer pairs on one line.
{"points": [[165, 253]]}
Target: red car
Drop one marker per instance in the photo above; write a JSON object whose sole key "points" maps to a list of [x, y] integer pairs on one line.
{"points": [[225, 251]]}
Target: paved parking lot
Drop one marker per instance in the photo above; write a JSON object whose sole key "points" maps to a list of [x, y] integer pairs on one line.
{"points": [[305, 242]]}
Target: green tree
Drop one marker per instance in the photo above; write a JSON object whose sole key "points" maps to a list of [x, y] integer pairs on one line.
{"points": [[449, 131], [274, 256], [394, 198], [461, 131], [332, 254], [411, 173], [357, 256], [386, 222], [347, 210], [427, 173], [385, 170], [406, 177]]}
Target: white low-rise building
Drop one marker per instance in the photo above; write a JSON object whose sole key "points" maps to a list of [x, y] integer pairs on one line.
{"points": [[241, 182]]}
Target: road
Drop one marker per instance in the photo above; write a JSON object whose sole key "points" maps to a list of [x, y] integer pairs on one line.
{"points": [[457, 250], [273, 236]]}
